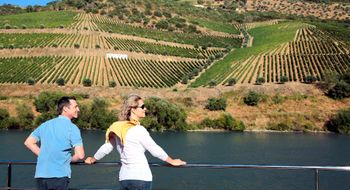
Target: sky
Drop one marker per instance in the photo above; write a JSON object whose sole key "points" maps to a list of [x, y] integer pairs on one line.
{"points": [[25, 3]]}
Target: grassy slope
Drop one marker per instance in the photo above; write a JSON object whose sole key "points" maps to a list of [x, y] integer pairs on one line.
{"points": [[50, 19], [266, 38], [216, 26]]}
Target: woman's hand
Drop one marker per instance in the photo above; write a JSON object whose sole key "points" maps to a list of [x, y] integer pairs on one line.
{"points": [[175, 162], [90, 160]]}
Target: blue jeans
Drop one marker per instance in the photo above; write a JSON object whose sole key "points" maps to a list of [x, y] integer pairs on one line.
{"points": [[136, 185], [59, 183]]}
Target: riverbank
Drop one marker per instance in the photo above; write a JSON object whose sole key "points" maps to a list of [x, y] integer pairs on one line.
{"points": [[300, 106]]}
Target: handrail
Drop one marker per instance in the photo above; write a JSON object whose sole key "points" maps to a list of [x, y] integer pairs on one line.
{"points": [[9, 163]]}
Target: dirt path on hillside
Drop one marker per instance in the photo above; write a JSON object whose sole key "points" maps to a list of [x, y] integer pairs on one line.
{"points": [[96, 33], [84, 52]]}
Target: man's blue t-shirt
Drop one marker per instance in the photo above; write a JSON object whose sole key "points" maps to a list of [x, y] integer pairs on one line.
{"points": [[58, 137]]}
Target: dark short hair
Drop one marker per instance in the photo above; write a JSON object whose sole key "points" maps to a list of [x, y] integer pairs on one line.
{"points": [[64, 101]]}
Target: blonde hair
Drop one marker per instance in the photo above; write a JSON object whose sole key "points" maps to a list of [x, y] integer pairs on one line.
{"points": [[130, 102]]}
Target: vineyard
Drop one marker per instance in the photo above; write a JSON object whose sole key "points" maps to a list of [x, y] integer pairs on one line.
{"points": [[73, 70], [272, 51], [276, 59], [310, 54]]}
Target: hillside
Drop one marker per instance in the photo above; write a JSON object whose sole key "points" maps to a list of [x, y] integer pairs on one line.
{"points": [[338, 10], [177, 51], [72, 46]]}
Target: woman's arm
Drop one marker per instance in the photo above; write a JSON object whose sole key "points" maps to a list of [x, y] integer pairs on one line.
{"points": [[104, 150], [157, 151]]}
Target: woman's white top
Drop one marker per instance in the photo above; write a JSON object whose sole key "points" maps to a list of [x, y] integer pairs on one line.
{"points": [[132, 154]]}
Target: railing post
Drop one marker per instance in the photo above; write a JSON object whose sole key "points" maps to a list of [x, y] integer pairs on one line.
{"points": [[316, 179], [9, 174]]}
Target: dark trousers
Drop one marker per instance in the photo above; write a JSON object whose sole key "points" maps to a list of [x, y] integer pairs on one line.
{"points": [[57, 183], [135, 185]]}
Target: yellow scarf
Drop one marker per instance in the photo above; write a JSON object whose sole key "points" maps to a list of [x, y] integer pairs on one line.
{"points": [[120, 128]]}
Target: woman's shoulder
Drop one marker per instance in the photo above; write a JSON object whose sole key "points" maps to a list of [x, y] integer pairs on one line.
{"points": [[139, 129]]}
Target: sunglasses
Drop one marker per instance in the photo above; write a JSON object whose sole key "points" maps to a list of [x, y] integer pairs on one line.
{"points": [[142, 107]]}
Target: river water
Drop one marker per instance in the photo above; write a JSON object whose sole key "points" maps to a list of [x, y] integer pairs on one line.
{"points": [[207, 147]]}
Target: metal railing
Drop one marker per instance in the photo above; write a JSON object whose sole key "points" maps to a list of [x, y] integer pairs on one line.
{"points": [[316, 169]]}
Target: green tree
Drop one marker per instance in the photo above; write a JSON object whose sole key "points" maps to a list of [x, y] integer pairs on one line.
{"points": [[47, 102], [340, 123], [216, 104], [25, 116], [309, 79], [101, 117], [231, 82], [260, 80], [252, 99], [212, 83], [4, 118], [339, 91], [112, 84], [87, 82], [163, 115], [60, 82], [31, 81], [284, 79], [162, 24]]}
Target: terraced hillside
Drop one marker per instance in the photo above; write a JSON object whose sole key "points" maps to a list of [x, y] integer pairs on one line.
{"points": [[283, 52], [336, 11], [77, 49], [160, 44]]}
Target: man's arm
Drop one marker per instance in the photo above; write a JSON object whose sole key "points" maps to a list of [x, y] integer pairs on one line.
{"points": [[31, 144], [79, 153]]}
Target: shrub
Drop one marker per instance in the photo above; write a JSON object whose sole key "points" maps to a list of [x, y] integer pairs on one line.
{"points": [[44, 117], [25, 117], [212, 83], [280, 127], [7, 26], [216, 104], [31, 81], [112, 84], [231, 82], [157, 13], [162, 24], [309, 79], [100, 116], [339, 91], [162, 115], [260, 80], [47, 101], [346, 76], [283, 79], [278, 99], [225, 121], [330, 78], [87, 82], [83, 121], [184, 80], [60, 82], [252, 99], [4, 118], [340, 123]]}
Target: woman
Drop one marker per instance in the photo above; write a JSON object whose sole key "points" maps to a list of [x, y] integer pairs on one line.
{"points": [[132, 140]]}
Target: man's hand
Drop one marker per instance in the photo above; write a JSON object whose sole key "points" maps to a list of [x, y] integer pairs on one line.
{"points": [[90, 160]]}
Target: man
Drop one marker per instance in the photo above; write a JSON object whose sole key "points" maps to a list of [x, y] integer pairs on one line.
{"points": [[57, 138]]}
